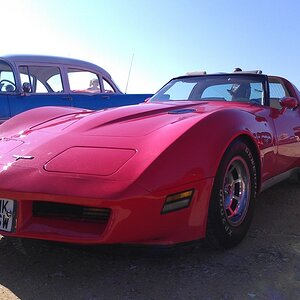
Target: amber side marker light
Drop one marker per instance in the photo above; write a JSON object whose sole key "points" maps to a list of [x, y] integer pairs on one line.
{"points": [[177, 201]]}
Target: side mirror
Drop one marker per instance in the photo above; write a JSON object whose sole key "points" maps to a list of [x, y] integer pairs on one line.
{"points": [[289, 102]]}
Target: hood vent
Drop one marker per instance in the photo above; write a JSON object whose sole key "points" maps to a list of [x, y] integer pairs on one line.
{"points": [[182, 111]]}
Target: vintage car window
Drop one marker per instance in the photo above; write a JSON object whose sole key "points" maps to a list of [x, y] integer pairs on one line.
{"points": [[40, 87], [39, 79], [55, 83], [7, 79], [217, 87], [26, 80], [108, 88], [83, 81]]}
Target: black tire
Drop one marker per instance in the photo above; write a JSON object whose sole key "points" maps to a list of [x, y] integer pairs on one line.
{"points": [[232, 201], [295, 177]]}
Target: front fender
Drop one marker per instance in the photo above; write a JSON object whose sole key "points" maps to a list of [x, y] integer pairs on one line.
{"points": [[33, 117], [197, 152]]}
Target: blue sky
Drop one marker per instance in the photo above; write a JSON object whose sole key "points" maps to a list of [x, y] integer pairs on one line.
{"points": [[167, 38]]}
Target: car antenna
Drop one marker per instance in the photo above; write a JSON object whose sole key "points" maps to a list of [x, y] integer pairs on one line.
{"points": [[129, 73]]}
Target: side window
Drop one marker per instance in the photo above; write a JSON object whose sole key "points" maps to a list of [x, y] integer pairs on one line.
{"points": [[41, 79], [55, 83], [83, 81], [108, 88], [7, 79], [40, 87], [277, 91]]}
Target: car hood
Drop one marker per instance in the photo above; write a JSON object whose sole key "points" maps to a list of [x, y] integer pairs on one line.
{"points": [[137, 120], [128, 141]]}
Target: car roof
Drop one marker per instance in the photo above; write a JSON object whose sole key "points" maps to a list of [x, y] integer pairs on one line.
{"points": [[204, 74], [30, 58]]}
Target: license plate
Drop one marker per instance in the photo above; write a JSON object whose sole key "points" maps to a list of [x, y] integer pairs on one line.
{"points": [[7, 215]]}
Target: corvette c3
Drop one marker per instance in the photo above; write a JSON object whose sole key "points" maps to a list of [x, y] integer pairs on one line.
{"points": [[186, 165]]}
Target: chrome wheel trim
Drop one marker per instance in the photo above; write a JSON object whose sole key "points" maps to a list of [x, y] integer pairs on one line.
{"points": [[236, 191]]}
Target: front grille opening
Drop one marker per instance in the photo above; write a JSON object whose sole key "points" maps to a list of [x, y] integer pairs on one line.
{"points": [[70, 212]]}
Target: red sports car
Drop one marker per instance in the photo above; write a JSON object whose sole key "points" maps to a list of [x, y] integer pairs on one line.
{"points": [[186, 165]]}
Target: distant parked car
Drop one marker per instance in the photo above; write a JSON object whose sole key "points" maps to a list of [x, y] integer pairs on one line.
{"points": [[29, 81]]}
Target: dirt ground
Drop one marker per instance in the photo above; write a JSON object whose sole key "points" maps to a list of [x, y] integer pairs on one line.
{"points": [[266, 265]]}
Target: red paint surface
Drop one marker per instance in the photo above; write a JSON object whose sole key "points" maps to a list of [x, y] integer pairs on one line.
{"points": [[129, 159]]}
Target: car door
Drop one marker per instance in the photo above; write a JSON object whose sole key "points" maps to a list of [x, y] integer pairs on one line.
{"points": [[287, 125], [4, 108], [42, 85], [7, 88], [287, 128], [92, 91]]}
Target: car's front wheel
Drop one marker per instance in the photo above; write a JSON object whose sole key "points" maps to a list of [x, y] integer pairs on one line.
{"points": [[232, 200]]}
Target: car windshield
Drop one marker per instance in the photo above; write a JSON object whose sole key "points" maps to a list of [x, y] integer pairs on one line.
{"points": [[227, 87]]}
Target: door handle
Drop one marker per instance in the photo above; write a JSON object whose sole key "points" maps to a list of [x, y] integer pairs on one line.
{"points": [[67, 98]]}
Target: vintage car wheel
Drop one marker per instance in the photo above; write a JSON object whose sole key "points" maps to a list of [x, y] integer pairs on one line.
{"points": [[232, 201]]}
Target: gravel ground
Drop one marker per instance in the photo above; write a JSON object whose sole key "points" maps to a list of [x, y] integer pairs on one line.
{"points": [[266, 265]]}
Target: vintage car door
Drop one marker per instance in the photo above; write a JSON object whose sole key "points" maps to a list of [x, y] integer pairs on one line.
{"points": [[91, 90], [102, 101], [7, 87], [4, 107], [41, 85]]}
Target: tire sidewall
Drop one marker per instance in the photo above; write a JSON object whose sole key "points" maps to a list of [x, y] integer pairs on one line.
{"points": [[225, 233]]}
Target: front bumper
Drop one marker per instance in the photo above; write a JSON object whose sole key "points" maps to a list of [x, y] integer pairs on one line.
{"points": [[133, 218]]}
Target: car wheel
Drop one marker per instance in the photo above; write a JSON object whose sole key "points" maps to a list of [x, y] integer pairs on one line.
{"points": [[232, 201], [295, 178]]}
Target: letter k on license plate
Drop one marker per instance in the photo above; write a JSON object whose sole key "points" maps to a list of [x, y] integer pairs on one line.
{"points": [[7, 215]]}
